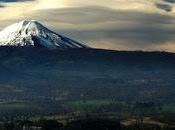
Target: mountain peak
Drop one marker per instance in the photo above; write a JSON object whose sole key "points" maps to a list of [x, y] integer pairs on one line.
{"points": [[31, 24], [25, 22], [33, 33]]}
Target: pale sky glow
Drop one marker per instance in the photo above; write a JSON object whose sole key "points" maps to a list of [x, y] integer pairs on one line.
{"points": [[46, 4], [111, 24], [15, 9]]}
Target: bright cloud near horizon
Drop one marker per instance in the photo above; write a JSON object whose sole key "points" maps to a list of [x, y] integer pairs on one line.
{"points": [[115, 24]]}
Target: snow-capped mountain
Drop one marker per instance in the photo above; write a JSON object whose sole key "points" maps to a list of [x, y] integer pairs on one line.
{"points": [[33, 33]]}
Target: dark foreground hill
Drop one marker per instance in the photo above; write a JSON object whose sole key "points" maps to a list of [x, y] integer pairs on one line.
{"points": [[38, 80]]}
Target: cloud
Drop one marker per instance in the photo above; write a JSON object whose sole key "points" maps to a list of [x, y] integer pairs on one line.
{"points": [[14, 0], [48, 4], [171, 1], [111, 28], [165, 7], [14, 10], [1, 6], [95, 14]]}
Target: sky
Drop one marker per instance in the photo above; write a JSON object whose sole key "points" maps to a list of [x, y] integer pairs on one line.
{"points": [[147, 25]]}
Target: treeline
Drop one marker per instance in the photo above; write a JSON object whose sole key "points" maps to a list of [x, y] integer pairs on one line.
{"points": [[82, 124]]}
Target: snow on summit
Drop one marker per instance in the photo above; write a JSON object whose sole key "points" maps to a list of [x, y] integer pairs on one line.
{"points": [[33, 33]]}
